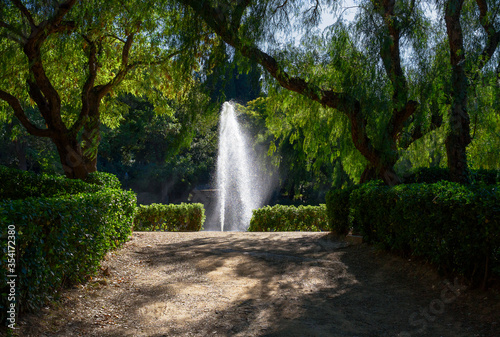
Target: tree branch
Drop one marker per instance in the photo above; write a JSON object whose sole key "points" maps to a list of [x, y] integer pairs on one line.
{"points": [[493, 36], [19, 37], [391, 58], [240, 9], [342, 102], [63, 9], [417, 133], [40, 101], [124, 69], [32, 49], [401, 116], [87, 87], [25, 12], [19, 113]]}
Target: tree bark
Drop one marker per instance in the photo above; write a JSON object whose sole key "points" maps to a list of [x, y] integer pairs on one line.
{"points": [[92, 134], [71, 157], [458, 137]]}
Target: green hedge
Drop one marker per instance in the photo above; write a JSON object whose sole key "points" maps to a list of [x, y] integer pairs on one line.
{"points": [[457, 227], [17, 184], [289, 218], [337, 209], [104, 179], [436, 174], [61, 240], [173, 218]]}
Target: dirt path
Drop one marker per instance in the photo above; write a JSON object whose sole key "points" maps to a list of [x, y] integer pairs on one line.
{"points": [[263, 284]]}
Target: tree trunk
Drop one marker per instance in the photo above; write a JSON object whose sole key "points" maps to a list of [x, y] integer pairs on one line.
{"points": [[386, 173], [92, 134], [70, 154], [456, 144], [92, 139], [459, 134]]}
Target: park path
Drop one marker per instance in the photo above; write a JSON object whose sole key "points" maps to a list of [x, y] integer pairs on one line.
{"points": [[263, 284]]}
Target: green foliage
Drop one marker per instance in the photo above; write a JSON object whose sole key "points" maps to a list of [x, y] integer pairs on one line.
{"points": [[17, 184], [305, 177], [61, 241], [427, 175], [172, 218], [107, 180], [289, 218], [454, 226], [337, 208], [436, 174], [164, 155]]}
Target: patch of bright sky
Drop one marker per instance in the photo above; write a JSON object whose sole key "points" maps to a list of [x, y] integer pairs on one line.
{"points": [[347, 11]]}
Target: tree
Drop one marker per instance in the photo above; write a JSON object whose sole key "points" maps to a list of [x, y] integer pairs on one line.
{"points": [[321, 79], [467, 64], [69, 59]]}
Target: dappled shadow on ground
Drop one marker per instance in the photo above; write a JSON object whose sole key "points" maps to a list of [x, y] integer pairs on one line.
{"points": [[272, 284]]}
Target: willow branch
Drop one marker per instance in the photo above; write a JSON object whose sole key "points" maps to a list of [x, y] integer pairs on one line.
{"points": [[63, 9], [342, 102], [417, 132], [240, 9], [87, 87], [391, 58], [19, 113], [18, 35], [125, 67], [25, 12], [493, 36], [40, 100]]}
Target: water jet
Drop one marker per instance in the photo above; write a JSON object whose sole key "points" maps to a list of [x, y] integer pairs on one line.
{"points": [[238, 174]]}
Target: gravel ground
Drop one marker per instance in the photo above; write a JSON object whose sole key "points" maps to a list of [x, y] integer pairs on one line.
{"points": [[264, 284]]}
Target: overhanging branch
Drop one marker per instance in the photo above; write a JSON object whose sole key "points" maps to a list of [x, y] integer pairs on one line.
{"points": [[25, 12], [19, 113], [493, 36]]}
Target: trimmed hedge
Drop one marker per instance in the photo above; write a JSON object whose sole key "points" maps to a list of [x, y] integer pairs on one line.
{"points": [[61, 241], [17, 184], [173, 218], [337, 209], [456, 227], [104, 179], [289, 218], [436, 174]]}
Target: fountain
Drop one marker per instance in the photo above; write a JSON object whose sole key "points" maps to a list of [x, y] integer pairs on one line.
{"points": [[239, 182]]}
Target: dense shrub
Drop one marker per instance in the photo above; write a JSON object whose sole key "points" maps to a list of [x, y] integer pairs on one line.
{"points": [[289, 218], [454, 226], [337, 209], [17, 184], [435, 174], [174, 218], [61, 240], [104, 179]]}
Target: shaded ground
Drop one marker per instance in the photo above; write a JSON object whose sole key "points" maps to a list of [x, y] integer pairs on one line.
{"points": [[264, 284]]}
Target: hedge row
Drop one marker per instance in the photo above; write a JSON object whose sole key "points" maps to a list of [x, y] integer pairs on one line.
{"points": [[437, 174], [337, 209], [173, 218], [17, 184], [104, 179], [60, 241], [456, 227], [289, 218]]}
